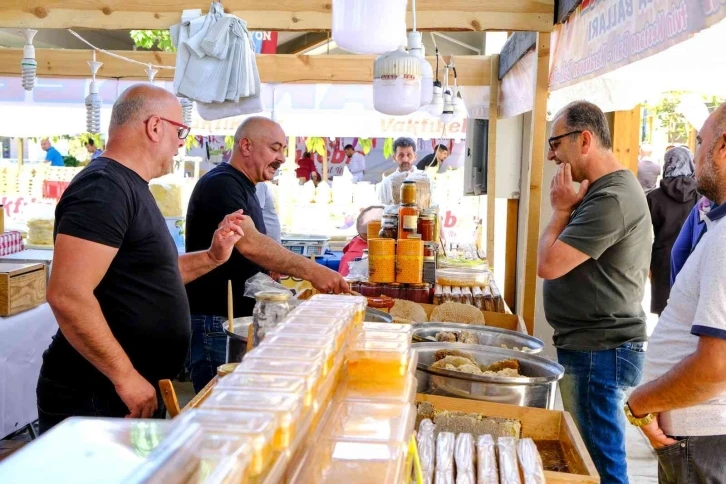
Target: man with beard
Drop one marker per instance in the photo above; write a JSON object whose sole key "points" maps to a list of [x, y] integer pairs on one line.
{"points": [[259, 151], [404, 155], [594, 256], [682, 406]]}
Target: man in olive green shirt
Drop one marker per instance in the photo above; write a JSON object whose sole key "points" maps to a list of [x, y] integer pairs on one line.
{"points": [[594, 256]]}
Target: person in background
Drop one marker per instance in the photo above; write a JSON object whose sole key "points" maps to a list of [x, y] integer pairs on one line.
{"points": [[356, 163], [669, 206], [681, 407], [404, 155], [269, 215], [435, 159], [690, 234], [670, 147], [306, 169], [259, 151], [51, 154], [594, 256], [91, 148], [648, 169], [359, 243], [117, 286]]}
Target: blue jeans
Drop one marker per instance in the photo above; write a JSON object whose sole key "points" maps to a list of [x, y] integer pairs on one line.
{"points": [[593, 391], [693, 460], [208, 349]]}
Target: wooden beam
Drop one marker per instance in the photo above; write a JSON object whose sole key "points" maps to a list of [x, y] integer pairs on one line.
{"points": [[539, 125], [564, 8], [344, 69], [297, 15], [514, 49], [510, 255], [304, 42], [492, 159], [626, 137]]}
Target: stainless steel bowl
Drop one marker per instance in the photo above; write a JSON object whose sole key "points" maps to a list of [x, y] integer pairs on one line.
{"points": [[536, 389], [378, 316], [487, 335]]}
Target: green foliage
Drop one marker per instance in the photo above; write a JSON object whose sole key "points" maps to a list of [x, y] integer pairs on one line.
{"points": [[151, 39], [228, 142], [316, 145], [71, 161], [675, 124], [388, 148], [192, 142]]}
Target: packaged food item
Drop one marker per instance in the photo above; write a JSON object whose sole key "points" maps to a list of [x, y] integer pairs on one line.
{"points": [[446, 294], [351, 391], [477, 297], [487, 471], [372, 229], [341, 326], [408, 212], [286, 407], [466, 296], [370, 289], [461, 277], [419, 293], [464, 455], [321, 332], [394, 290], [383, 335], [381, 260], [308, 309], [426, 227], [445, 443], [487, 298], [508, 467], [530, 462], [369, 421], [378, 362], [299, 353], [426, 450], [294, 339], [456, 294], [310, 371], [270, 309], [438, 294], [389, 227], [223, 457], [358, 302], [409, 261], [497, 297]]}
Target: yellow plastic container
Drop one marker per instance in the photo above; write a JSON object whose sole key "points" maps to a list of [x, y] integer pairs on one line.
{"points": [[381, 260], [267, 382], [409, 261]]}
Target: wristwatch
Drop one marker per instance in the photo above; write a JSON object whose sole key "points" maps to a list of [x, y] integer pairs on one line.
{"points": [[638, 422]]}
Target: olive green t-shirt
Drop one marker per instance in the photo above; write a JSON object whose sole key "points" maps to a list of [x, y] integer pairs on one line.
{"points": [[598, 304]]}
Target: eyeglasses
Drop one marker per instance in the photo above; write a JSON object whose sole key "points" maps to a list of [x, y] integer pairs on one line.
{"points": [[183, 130], [555, 138]]}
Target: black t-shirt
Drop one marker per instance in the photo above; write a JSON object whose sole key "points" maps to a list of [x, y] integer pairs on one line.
{"points": [[142, 293], [220, 192], [427, 161]]}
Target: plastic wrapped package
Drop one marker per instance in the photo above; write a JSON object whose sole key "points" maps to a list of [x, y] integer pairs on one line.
{"points": [[530, 462], [426, 449], [265, 381], [456, 294], [477, 297], [346, 314], [461, 277], [223, 458], [393, 328], [259, 427], [359, 302], [384, 336], [261, 282], [508, 467], [487, 471], [350, 391], [466, 296], [497, 297], [322, 333], [300, 353], [464, 454], [438, 294], [445, 444], [296, 340], [370, 421], [488, 300], [445, 294], [310, 371], [286, 407]]}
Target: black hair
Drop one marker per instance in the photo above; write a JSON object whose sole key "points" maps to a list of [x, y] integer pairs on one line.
{"points": [[90, 142], [585, 116], [404, 143], [441, 148], [348, 147]]}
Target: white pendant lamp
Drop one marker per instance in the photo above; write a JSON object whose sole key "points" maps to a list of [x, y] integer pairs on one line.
{"points": [[397, 83], [436, 105], [28, 66], [369, 26], [93, 100], [416, 48], [187, 108]]}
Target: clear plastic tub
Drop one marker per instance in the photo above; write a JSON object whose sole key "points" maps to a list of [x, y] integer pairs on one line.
{"points": [[294, 340], [259, 427], [388, 327], [321, 333], [359, 303], [371, 421], [223, 458], [352, 391], [401, 337], [286, 407], [345, 313], [377, 361], [299, 324], [298, 353], [266, 381], [461, 277], [310, 371]]}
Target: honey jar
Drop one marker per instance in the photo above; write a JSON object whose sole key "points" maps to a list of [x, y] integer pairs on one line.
{"points": [[409, 260]]}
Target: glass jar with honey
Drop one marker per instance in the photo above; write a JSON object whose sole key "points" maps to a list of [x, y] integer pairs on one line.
{"points": [[408, 213]]}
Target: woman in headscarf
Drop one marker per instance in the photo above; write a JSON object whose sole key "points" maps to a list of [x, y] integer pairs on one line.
{"points": [[669, 206]]}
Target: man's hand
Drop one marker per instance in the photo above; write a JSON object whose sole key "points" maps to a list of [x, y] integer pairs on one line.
{"points": [[562, 195], [327, 281], [656, 436], [228, 234], [138, 395]]}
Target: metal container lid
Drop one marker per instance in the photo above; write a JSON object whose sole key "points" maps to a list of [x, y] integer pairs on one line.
{"points": [[272, 296]]}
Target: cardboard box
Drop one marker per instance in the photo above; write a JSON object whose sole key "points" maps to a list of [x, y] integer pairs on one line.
{"points": [[22, 287]]}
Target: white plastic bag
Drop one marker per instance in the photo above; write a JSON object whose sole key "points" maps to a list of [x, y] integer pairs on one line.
{"points": [[531, 462], [426, 449], [464, 455]]}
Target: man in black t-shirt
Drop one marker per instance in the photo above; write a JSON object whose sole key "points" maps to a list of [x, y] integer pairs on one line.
{"points": [[117, 285], [259, 151], [435, 159]]}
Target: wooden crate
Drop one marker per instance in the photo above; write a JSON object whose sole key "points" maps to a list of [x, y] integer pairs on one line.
{"points": [[511, 322], [537, 424], [22, 287]]}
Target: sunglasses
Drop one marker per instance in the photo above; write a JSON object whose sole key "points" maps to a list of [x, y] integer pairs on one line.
{"points": [[556, 138], [183, 130]]}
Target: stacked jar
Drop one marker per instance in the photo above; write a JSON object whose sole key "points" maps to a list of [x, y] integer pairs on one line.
{"points": [[408, 213], [409, 260]]}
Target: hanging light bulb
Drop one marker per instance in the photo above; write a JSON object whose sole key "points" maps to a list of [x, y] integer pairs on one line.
{"points": [[416, 48], [28, 66], [436, 106], [151, 73], [93, 100], [187, 109], [397, 83], [460, 110], [448, 113]]}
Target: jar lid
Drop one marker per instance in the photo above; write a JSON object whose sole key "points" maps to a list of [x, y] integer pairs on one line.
{"points": [[415, 236], [411, 182], [272, 296], [431, 245], [426, 217], [395, 284]]}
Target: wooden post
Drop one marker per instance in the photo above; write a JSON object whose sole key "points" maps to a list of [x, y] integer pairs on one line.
{"points": [[626, 137], [536, 152], [510, 263], [21, 151], [492, 158]]}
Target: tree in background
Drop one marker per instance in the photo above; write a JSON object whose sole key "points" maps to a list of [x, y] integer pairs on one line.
{"points": [[153, 40]]}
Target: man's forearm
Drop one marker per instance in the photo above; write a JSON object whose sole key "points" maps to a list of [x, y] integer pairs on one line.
{"points": [[267, 253], [558, 222], [195, 265], [82, 323], [689, 383]]}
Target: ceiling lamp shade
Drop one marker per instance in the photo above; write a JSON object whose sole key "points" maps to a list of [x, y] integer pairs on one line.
{"points": [[93, 100], [397, 83], [416, 48], [369, 26], [187, 109]]}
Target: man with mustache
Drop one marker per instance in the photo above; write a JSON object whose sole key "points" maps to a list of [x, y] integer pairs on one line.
{"points": [[259, 150], [404, 155], [681, 408]]}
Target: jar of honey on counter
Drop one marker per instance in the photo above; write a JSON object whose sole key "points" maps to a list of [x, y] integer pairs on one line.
{"points": [[419, 293], [409, 260], [408, 213], [394, 290], [381, 260], [426, 227]]}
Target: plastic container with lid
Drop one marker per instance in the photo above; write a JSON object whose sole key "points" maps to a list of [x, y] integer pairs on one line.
{"points": [[370, 421], [466, 295], [322, 332], [461, 277], [393, 328], [377, 360], [345, 313], [286, 407], [477, 297], [383, 335], [265, 381], [310, 371], [259, 427], [295, 339], [445, 294], [351, 391], [299, 353], [456, 294], [343, 327], [223, 458]]}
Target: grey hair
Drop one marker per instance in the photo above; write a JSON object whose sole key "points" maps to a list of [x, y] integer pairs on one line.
{"points": [[585, 116], [404, 143], [127, 109]]}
